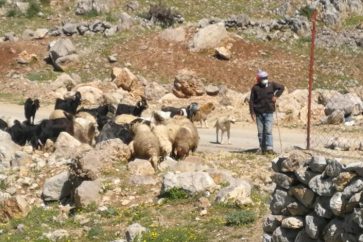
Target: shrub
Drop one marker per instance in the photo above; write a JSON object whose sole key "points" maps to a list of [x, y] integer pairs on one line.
{"points": [[163, 15], [2, 3], [175, 194], [12, 13], [238, 218], [33, 9]]}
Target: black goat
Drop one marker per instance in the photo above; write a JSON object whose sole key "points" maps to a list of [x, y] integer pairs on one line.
{"points": [[69, 105], [131, 109], [3, 124], [51, 128], [192, 109], [99, 111], [21, 133], [30, 108], [111, 130]]}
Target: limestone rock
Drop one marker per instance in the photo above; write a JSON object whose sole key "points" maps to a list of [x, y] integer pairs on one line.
{"points": [[134, 232], [57, 187], [282, 180], [208, 37], [25, 58], [284, 235], [314, 225], [212, 90], [187, 84], [356, 167], [223, 53], [239, 192], [297, 209], [302, 236], [99, 6], [7, 149], [333, 169], [13, 208], [292, 223], [318, 164], [341, 181], [303, 195], [87, 193], [140, 167], [125, 79], [322, 186], [279, 202], [333, 230], [125, 22], [304, 175], [90, 95], [192, 182], [271, 222], [59, 49], [65, 145], [322, 207], [355, 186]]}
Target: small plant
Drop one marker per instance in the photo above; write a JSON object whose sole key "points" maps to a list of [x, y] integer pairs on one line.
{"points": [[239, 218], [12, 13], [33, 9], [176, 194], [2, 3], [3, 185], [95, 232]]}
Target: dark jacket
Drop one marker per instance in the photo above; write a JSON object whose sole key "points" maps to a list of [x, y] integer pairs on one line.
{"points": [[261, 97]]}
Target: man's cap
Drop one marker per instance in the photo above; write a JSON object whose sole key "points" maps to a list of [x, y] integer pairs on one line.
{"points": [[262, 74]]}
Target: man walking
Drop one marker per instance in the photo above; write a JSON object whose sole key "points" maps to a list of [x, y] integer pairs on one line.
{"points": [[262, 106]]}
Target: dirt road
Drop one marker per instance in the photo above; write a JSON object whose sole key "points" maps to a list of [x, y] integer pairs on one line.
{"points": [[243, 135]]}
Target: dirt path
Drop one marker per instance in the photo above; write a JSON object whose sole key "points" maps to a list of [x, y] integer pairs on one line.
{"points": [[243, 135]]}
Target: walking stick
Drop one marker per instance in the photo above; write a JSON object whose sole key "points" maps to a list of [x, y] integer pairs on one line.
{"points": [[277, 123]]}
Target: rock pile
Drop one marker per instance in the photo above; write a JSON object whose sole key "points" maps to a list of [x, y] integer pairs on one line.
{"points": [[316, 199]]}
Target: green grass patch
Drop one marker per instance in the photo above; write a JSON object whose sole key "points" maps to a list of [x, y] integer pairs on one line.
{"points": [[239, 218], [33, 10], [42, 75], [180, 234], [11, 98], [2, 3], [175, 194], [353, 21]]}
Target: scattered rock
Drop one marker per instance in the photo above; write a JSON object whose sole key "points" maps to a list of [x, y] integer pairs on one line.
{"points": [[57, 187], [292, 223], [87, 193], [239, 193], [173, 35], [223, 53], [208, 37], [192, 182], [134, 232], [140, 167], [212, 90], [7, 149], [13, 208], [187, 84]]}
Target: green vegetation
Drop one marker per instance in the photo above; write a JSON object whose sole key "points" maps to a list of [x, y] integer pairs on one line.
{"points": [[2, 3], [306, 11], [33, 10], [180, 234], [353, 21], [42, 75], [3, 185], [175, 194], [239, 218]]}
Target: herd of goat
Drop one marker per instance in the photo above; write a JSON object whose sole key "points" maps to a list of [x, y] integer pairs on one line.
{"points": [[169, 132]]}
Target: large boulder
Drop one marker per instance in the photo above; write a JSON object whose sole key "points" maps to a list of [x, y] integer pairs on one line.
{"points": [[125, 22], [89, 164], [62, 52], [350, 103], [208, 37], [65, 145], [192, 182], [87, 193], [154, 91], [125, 79], [90, 95], [187, 84], [98, 6], [7, 149], [57, 187]]}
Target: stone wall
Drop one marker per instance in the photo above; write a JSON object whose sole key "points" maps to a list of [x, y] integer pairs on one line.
{"points": [[316, 199]]}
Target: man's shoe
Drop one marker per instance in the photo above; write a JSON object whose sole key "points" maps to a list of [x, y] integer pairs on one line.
{"points": [[260, 152]]}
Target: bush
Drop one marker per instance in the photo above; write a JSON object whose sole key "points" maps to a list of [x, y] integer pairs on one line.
{"points": [[175, 194], [33, 9], [2, 3], [163, 15], [239, 218]]}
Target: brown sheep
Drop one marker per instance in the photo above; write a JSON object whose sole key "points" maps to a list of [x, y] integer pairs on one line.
{"points": [[202, 114], [145, 144]]}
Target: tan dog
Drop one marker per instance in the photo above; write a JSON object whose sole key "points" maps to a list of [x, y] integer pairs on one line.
{"points": [[202, 114], [224, 124]]}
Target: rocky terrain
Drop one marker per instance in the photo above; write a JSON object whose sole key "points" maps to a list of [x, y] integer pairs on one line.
{"points": [[174, 53]]}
